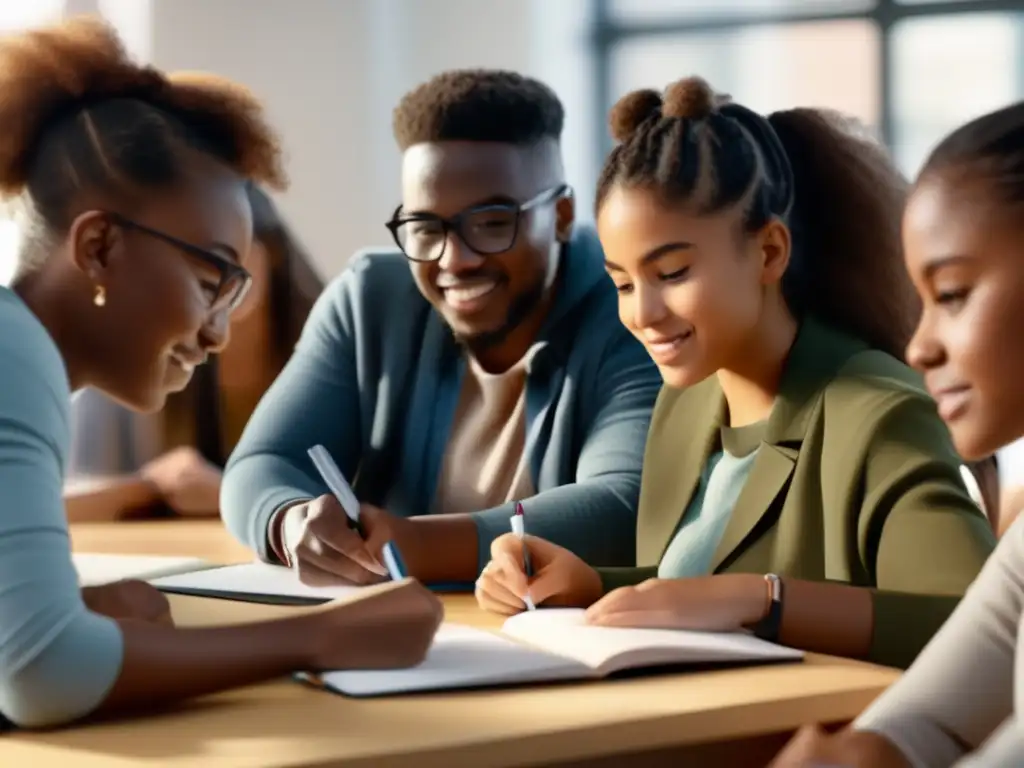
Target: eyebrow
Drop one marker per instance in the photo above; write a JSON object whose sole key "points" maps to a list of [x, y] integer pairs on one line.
{"points": [[492, 200], [935, 265], [654, 254]]}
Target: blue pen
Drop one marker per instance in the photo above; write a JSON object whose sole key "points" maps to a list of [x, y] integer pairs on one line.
{"points": [[339, 486]]}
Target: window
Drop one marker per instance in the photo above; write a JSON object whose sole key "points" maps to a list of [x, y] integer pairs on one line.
{"points": [[911, 69], [947, 70], [764, 68], [13, 16]]}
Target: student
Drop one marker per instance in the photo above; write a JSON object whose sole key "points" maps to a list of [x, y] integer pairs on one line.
{"points": [[480, 364], [123, 463], [791, 454], [963, 237], [130, 186]]}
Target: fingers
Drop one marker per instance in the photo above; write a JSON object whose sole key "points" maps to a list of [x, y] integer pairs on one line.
{"points": [[319, 566], [327, 543], [616, 601], [494, 594]]}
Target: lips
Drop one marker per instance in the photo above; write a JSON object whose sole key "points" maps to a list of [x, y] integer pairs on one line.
{"points": [[187, 361], [468, 297], [665, 349], [952, 402]]}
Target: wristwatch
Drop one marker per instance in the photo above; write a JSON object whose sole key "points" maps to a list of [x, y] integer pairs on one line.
{"points": [[768, 627]]}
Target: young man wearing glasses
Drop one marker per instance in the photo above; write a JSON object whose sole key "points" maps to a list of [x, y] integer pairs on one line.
{"points": [[481, 365]]}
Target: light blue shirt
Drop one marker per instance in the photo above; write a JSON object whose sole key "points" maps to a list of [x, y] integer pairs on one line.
{"points": [[58, 661], [692, 549]]}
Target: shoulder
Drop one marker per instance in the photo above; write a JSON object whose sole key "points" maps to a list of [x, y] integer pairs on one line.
{"points": [[375, 284], [26, 349], [871, 384], [878, 405], [34, 390]]}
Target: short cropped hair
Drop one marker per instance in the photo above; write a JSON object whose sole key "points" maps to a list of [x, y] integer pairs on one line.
{"points": [[479, 105]]}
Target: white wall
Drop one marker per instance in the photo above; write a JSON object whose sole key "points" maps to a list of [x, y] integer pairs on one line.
{"points": [[330, 72]]}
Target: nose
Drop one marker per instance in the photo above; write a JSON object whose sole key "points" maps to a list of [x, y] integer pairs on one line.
{"points": [[216, 331], [459, 257], [648, 306], [925, 351]]}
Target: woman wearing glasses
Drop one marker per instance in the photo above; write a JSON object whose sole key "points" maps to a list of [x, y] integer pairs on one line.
{"points": [[124, 463], [131, 190]]}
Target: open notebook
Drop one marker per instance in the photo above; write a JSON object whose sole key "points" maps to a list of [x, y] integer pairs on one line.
{"points": [[263, 583], [94, 569], [251, 582], [547, 646]]}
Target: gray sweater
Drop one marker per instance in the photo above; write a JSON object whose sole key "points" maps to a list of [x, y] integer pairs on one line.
{"points": [[376, 377], [57, 660]]}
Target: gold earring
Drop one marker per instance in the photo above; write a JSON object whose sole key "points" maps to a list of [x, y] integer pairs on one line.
{"points": [[100, 299]]}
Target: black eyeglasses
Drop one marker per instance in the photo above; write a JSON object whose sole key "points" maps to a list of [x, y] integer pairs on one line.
{"points": [[234, 281], [485, 229]]}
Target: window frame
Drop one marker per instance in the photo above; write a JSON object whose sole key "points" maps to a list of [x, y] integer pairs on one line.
{"points": [[607, 32]]}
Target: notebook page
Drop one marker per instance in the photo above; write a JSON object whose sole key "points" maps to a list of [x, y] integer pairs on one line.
{"points": [[253, 581], [95, 569], [611, 649], [461, 657]]}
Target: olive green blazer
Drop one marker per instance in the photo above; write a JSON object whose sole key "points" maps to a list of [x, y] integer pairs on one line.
{"points": [[857, 481]]}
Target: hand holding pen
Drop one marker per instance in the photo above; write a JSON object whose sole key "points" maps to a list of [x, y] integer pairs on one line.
{"points": [[335, 539], [518, 523]]}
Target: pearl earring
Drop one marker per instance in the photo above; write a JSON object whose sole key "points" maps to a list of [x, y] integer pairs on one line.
{"points": [[100, 299]]}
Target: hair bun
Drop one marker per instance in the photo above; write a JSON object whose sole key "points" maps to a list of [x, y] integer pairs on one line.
{"points": [[632, 110], [690, 98]]}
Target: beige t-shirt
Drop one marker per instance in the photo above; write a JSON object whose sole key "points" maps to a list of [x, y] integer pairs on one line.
{"points": [[961, 701], [484, 464]]}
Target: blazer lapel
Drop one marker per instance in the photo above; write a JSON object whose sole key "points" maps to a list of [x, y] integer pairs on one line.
{"points": [[769, 476], [817, 355], [679, 444]]}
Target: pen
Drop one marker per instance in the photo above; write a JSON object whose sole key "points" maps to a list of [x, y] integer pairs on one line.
{"points": [[518, 522], [343, 492]]}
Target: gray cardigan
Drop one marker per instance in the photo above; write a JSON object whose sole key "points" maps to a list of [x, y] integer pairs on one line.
{"points": [[375, 379]]}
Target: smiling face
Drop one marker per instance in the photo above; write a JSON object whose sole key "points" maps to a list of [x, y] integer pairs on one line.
{"points": [[963, 251], [691, 288], [485, 297], [162, 316]]}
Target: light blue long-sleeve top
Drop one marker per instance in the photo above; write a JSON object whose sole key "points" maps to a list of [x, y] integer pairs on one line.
{"points": [[58, 660]]}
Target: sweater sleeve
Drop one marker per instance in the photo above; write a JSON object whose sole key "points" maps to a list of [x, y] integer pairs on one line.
{"points": [[595, 517], [960, 689], [57, 660], [315, 400], [918, 528]]}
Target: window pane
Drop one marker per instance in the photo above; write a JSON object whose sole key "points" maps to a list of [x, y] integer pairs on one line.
{"points": [[764, 68], [691, 10], [947, 70]]}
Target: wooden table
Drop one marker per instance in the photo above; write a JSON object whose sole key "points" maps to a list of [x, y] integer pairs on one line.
{"points": [[731, 718]]}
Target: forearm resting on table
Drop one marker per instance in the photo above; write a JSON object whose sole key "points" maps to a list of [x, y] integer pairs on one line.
{"points": [[104, 498], [830, 618], [440, 548], [162, 664]]}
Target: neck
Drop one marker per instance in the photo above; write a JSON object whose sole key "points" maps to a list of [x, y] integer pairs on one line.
{"points": [[55, 306], [751, 385]]}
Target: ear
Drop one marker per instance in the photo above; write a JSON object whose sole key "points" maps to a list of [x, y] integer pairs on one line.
{"points": [[91, 239], [565, 216], [774, 243]]}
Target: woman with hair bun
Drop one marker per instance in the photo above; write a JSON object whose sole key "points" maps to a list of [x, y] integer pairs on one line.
{"points": [[797, 478], [130, 187]]}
